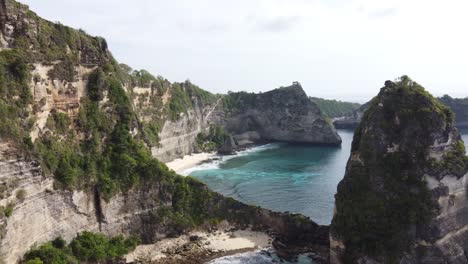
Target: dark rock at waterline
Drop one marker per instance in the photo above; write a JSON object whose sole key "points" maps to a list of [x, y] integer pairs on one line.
{"points": [[229, 146], [285, 114]]}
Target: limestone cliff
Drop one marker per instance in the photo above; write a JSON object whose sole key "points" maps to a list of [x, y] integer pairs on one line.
{"points": [[404, 195], [77, 135], [285, 114]]}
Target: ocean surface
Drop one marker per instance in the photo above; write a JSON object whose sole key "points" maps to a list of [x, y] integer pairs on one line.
{"points": [[281, 177], [258, 257], [464, 133]]}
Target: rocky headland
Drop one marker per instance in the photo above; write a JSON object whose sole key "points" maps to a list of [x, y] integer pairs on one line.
{"points": [[404, 195], [83, 140]]}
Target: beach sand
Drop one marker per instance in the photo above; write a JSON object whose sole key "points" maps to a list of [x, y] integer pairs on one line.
{"points": [[189, 161], [217, 242]]}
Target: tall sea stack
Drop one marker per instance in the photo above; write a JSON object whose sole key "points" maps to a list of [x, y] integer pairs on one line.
{"points": [[403, 198]]}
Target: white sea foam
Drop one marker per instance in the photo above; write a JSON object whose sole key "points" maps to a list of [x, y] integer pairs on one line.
{"points": [[254, 257], [265, 256], [217, 160]]}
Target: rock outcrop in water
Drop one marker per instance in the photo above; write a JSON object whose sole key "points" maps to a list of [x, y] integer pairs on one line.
{"points": [[76, 129], [404, 195], [284, 114]]}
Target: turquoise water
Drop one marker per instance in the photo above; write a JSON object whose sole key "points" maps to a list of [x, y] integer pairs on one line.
{"points": [[259, 257], [282, 177]]}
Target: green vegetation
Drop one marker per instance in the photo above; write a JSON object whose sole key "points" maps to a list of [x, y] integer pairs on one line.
{"points": [[64, 70], [383, 193], [21, 195], [58, 122], [235, 100], [181, 98], [6, 211], [96, 150], [109, 157], [151, 130], [34, 261], [180, 102], [55, 41], [459, 107], [15, 96], [86, 247], [454, 162], [213, 140], [334, 108]]}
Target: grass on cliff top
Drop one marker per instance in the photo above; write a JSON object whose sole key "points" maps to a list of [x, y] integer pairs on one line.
{"points": [[183, 97], [383, 202], [53, 41], [334, 108]]}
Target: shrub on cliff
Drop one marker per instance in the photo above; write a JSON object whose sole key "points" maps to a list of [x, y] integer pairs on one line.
{"points": [[15, 95], [86, 247], [335, 108], [212, 140]]}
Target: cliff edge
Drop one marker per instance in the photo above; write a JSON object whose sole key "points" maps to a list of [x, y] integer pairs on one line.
{"points": [[404, 195], [79, 134], [284, 114]]}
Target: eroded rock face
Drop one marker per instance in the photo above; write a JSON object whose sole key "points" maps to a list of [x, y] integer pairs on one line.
{"points": [[403, 198], [178, 137], [35, 211], [44, 213], [284, 114]]}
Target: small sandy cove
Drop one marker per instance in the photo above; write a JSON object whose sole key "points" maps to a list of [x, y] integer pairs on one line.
{"points": [[216, 242], [189, 161]]}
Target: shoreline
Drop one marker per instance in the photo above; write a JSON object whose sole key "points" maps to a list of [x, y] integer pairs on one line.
{"points": [[189, 161], [201, 246]]}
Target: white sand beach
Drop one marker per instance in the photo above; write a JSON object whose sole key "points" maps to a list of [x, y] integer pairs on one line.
{"points": [[219, 241], [189, 161]]}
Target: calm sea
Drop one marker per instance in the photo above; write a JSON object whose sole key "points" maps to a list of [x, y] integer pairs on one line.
{"points": [[281, 177]]}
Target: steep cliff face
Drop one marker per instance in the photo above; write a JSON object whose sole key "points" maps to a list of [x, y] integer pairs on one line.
{"points": [[77, 136], [178, 137], [43, 213], [285, 114], [404, 195]]}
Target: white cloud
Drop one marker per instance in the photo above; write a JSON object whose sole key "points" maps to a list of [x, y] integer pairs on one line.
{"points": [[335, 48]]}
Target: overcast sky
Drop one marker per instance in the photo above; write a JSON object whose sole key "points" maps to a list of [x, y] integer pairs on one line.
{"points": [[342, 49]]}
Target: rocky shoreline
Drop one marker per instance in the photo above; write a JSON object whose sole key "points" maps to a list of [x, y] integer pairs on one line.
{"points": [[205, 246], [201, 246]]}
